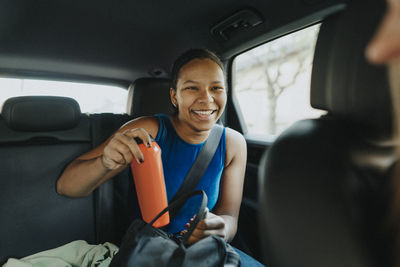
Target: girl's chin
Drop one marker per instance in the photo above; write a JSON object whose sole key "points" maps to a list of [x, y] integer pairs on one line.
{"points": [[202, 125]]}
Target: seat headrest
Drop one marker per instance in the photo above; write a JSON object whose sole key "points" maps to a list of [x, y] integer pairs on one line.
{"points": [[343, 82], [41, 113], [149, 96]]}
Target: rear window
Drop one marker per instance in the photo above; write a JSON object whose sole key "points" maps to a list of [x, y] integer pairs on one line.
{"points": [[92, 98]]}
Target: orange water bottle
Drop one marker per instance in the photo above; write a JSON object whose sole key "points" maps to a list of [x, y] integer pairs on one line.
{"points": [[150, 185]]}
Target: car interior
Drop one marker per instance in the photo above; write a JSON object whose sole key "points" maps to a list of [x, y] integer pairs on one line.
{"points": [[304, 184]]}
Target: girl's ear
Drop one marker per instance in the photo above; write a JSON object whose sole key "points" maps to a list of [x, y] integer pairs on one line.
{"points": [[172, 94]]}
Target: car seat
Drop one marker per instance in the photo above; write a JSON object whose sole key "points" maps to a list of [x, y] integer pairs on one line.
{"points": [[39, 136], [323, 182]]}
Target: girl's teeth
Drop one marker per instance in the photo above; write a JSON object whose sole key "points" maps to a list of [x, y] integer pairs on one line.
{"points": [[203, 112]]}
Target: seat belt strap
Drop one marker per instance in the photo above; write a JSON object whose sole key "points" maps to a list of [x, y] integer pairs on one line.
{"points": [[201, 163]]}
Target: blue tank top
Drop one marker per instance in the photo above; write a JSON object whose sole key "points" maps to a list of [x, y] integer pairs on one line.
{"points": [[178, 157]]}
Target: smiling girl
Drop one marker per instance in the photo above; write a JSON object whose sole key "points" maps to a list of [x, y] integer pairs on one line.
{"points": [[198, 92]]}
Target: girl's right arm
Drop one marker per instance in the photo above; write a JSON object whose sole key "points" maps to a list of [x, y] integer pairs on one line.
{"points": [[87, 172]]}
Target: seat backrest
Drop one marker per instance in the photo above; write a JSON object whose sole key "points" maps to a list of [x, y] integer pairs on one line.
{"points": [[149, 96], [322, 181], [39, 136]]}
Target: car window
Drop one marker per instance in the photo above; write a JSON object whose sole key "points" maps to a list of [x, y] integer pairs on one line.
{"points": [[271, 83], [92, 98]]}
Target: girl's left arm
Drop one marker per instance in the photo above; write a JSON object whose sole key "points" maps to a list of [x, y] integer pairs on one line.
{"points": [[232, 179], [223, 221]]}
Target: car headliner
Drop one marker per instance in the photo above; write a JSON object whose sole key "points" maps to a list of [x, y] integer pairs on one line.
{"points": [[121, 40]]}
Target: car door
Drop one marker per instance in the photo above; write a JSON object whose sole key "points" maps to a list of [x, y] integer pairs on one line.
{"points": [[270, 91]]}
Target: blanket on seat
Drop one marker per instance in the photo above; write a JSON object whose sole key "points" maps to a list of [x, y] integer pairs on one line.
{"points": [[75, 254]]}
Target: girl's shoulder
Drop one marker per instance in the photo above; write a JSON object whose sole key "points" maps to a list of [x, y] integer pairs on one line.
{"points": [[148, 123], [233, 136], [235, 144]]}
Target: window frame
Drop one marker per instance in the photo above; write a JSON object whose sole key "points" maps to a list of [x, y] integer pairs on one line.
{"points": [[235, 116]]}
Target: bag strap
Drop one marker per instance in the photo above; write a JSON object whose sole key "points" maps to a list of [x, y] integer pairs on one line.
{"points": [[201, 163], [175, 205]]}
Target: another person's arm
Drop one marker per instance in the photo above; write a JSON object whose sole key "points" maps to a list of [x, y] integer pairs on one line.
{"points": [[223, 221], [87, 172]]}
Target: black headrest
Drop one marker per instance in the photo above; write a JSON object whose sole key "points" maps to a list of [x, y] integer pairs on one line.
{"points": [[343, 82], [41, 113], [149, 96]]}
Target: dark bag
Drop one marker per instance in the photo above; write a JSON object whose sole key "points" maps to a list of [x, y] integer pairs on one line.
{"points": [[143, 245]]}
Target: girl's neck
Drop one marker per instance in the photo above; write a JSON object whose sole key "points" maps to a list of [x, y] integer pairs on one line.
{"points": [[188, 133]]}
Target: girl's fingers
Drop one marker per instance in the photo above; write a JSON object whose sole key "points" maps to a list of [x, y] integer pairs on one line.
{"points": [[211, 221], [108, 163], [125, 144], [211, 225], [199, 234], [183, 232], [129, 137], [139, 133], [112, 157]]}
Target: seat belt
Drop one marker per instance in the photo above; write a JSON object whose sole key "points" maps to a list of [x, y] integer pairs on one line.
{"points": [[201, 163]]}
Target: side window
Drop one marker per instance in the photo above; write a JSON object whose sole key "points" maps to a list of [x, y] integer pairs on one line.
{"points": [[92, 98], [272, 83]]}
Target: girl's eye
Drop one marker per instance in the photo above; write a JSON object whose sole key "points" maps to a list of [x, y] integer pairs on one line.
{"points": [[215, 88], [191, 88]]}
